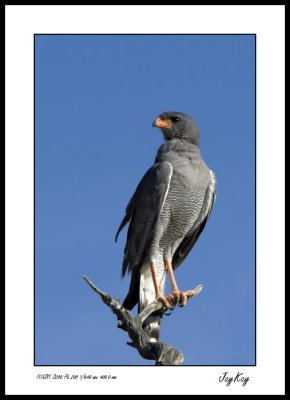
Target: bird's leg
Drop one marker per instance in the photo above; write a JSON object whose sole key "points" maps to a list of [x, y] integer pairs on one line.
{"points": [[159, 296], [179, 297]]}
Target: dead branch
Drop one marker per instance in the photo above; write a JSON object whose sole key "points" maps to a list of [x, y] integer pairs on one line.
{"points": [[162, 353]]}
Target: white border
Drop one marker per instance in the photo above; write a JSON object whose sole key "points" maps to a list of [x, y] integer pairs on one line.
{"points": [[268, 23]]}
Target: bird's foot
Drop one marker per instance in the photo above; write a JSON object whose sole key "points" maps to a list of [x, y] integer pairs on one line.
{"points": [[179, 298], [163, 300]]}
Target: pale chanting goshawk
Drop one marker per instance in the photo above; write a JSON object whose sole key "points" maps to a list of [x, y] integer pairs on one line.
{"points": [[167, 213]]}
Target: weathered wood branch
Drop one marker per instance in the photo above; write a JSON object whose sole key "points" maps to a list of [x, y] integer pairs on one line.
{"points": [[162, 353]]}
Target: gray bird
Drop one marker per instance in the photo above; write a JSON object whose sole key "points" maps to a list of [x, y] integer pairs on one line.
{"points": [[167, 213]]}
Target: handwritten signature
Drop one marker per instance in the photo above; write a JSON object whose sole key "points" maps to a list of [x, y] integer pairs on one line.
{"points": [[240, 378]]}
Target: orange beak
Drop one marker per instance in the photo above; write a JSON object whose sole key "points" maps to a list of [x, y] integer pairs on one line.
{"points": [[162, 123]]}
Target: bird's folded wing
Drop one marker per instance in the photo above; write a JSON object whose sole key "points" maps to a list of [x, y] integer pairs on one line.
{"points": [[143, 212], [193, 234]]}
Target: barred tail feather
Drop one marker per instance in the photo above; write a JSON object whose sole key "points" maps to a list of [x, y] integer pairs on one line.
{"points": [[147, 296]]}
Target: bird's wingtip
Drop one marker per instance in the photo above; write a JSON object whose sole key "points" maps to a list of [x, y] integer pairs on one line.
{"points": [[116, 236]]}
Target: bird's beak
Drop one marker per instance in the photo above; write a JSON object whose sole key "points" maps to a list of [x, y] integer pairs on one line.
{"points": [[162, 123]]}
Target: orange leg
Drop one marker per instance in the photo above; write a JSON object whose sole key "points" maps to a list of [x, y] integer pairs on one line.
{"points": [[179, 297], [158, 293]]}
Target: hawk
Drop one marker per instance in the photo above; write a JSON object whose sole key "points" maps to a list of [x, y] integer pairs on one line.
{"points": [[167, 213]]}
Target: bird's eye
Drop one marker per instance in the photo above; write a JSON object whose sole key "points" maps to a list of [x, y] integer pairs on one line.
{"points": [[175, 119]]}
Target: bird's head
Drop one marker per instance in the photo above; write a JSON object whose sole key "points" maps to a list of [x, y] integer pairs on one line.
{"points": [[177, 125]]}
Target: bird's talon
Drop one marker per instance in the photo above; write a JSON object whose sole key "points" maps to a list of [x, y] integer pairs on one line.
{"points": [[175, 294], [183, 299], [164, 301], [178, 298]]}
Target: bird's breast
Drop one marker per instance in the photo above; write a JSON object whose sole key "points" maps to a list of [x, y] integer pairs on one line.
{"points": [[180, 211]]}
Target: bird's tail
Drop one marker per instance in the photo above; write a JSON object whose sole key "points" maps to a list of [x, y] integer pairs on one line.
{"points": [[147, 296]]}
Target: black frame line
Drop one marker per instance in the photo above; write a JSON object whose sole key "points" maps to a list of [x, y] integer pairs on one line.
{"points": [[150, 5], [255, 189]]}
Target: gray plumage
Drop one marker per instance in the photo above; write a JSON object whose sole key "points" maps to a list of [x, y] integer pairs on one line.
{"points": [[167, 212]]}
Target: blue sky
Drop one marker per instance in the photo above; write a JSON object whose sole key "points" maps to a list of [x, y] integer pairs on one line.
{"points": [[96, 98]]}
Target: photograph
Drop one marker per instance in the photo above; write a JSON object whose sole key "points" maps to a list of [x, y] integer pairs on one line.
{"points": [[145, 200]]}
